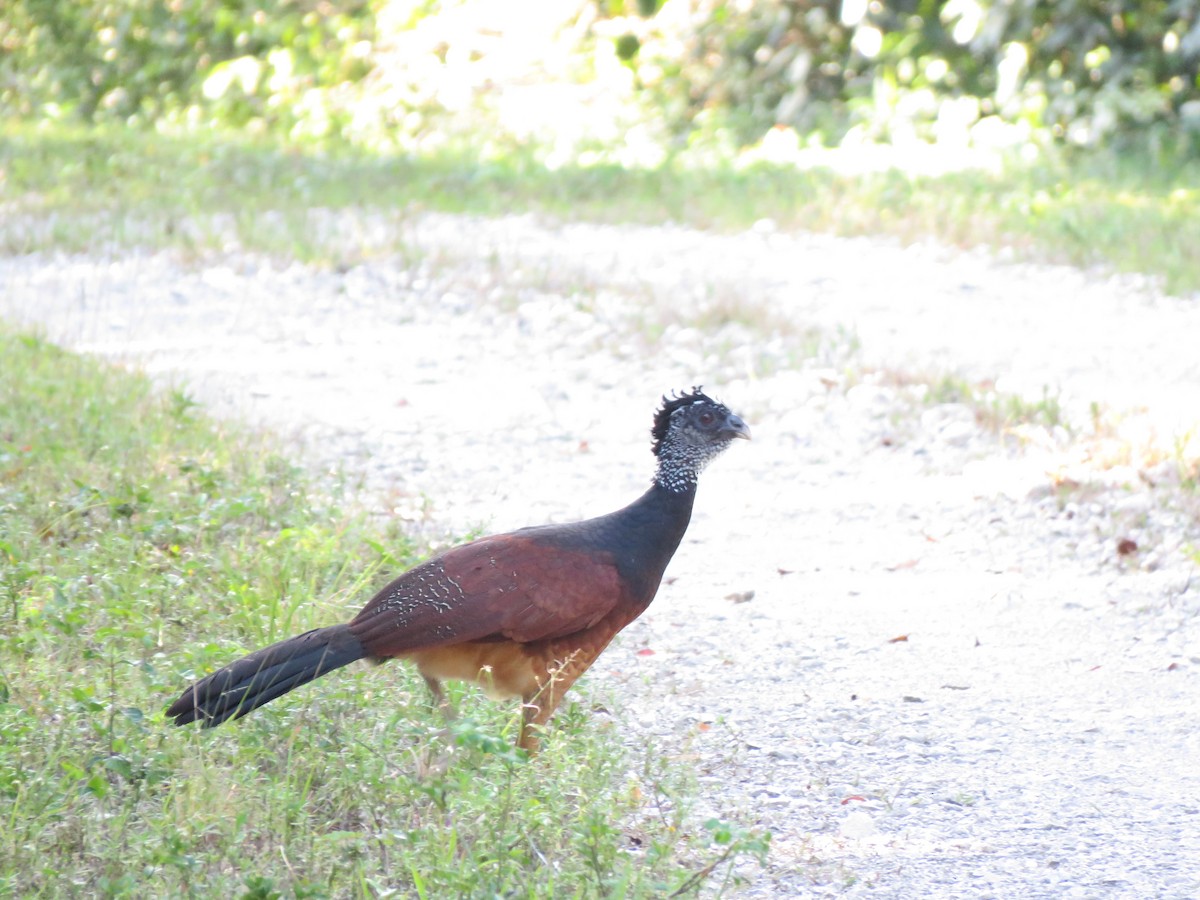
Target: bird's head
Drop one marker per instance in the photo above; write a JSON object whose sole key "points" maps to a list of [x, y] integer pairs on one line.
{"points": [[690, 430]]}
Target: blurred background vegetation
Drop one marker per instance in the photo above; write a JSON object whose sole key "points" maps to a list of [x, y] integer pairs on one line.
{"points": [[629, 81], [1064, 132]]}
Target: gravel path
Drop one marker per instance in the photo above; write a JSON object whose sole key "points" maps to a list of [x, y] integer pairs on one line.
{"points": [[948, 681]]}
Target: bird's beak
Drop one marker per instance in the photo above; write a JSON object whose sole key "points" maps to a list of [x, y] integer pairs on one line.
{"points": [[735, 427]]}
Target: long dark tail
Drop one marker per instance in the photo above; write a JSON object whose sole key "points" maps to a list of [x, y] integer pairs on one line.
{"points": [[259, 678]]}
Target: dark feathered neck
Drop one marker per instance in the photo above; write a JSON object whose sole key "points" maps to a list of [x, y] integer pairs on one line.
{"points": [[670, 503], [647, 533]]}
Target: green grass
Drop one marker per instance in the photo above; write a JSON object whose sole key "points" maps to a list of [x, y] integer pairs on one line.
{"points": [[998, 411], [141, 544], [1136, 211]]}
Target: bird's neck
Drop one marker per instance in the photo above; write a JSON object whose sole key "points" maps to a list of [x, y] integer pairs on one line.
{"points": [[669, 505], [678, 470], [651, 529]]}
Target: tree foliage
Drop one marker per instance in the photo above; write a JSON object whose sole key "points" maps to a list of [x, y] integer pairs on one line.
{"points": [[1083, 70], [141, 60]]}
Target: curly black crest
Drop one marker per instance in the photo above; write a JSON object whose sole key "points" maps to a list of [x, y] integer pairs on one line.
{"points": [[662, 418]]}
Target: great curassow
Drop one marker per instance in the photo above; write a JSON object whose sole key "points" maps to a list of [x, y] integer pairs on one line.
{"points": [[523, 614]]}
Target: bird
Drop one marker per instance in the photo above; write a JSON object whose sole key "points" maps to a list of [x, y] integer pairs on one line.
{"points": [[522, 614]]}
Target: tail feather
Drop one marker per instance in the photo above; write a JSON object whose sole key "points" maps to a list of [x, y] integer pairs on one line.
{"points": [[259, 678]]}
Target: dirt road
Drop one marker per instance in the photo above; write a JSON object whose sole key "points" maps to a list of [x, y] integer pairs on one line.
{"points": [[951, 679]]}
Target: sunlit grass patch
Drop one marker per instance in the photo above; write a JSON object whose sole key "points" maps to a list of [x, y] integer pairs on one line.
{"points": [[87, 190]]}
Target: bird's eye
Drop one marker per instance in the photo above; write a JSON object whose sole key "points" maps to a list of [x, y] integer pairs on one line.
{"points": [[707, 418]]}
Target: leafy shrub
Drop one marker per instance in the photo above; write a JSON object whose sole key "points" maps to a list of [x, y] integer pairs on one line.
{"points": [[144, 60], [1084, 69], [1081, 70]]}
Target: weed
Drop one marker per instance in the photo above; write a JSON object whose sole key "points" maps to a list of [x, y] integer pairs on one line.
{"points": [[1004, 411], [731, 841], [996, 411]]}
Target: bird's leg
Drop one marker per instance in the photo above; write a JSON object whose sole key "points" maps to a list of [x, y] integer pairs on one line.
{"points": [[539, 706], [438, 698], [432, 762], [532, 721]]}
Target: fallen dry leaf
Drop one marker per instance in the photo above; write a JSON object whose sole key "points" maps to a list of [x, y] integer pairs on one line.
{"points": [[898, 639]]}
